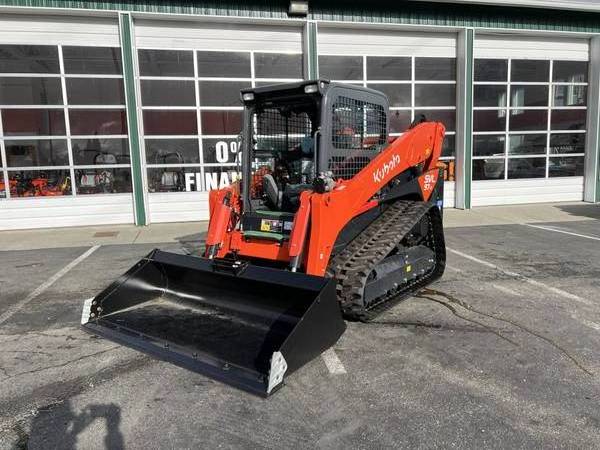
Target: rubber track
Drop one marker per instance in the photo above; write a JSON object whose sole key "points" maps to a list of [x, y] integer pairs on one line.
{"points": [[352, 266]]}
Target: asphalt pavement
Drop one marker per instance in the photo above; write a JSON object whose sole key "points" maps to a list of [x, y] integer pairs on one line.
{"points": [[502, 352]]}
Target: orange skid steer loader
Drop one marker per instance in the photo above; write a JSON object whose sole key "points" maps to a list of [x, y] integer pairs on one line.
{"points": [[329, 220]]}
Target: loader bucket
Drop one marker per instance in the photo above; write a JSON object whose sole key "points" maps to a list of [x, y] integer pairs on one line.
{"points": [[242, 324]]}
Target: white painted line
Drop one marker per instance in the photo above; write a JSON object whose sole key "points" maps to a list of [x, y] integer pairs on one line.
{"points": [[333, 363], [552, 289], [506, 290], [454, 269], [587, 323], [45, 285], [586, 236]]}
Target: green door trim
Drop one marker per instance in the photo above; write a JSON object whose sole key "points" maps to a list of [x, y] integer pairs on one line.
{"points": [[127, 54], [468, 155]]}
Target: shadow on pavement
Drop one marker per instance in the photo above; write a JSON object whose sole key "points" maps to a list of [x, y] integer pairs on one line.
{"points": [[58, 427], [583, 210], [193, 244]]}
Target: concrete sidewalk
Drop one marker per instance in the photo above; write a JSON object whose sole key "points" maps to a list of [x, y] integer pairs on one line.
{"points": [[192, 231]]}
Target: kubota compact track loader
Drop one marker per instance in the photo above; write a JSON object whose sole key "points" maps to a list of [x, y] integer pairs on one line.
{"points": [[329, 219]]}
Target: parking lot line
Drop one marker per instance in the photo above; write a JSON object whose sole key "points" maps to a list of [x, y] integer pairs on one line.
{"points": [[531, 281], [506, 290], [333, 363], [46, 284], [586, 236]]}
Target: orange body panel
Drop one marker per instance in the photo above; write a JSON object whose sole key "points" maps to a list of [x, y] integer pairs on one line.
{"points": [[331, 211]]}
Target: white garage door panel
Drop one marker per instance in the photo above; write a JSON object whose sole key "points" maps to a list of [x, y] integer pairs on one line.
{"points": [[216, 36], [57, 30], [334, 41], [178, 206], [68, 211], [486, 193], [449, 194], [530, 47]]}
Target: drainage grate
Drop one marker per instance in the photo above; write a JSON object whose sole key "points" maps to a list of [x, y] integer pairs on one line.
{"points": [[101, 234]]}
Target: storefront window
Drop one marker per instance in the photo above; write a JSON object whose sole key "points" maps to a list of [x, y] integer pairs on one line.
{"points": [[63, 132], [192, 115], [526, 112], [415, 86]]}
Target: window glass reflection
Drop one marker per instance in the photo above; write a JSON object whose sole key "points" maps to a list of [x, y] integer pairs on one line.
{"points": [[494, 120], [489, 95], [172, 151], [92, 60], [40, 183], [435, 69], [491, 69], [166, 63], [399, 121], [398, 94], [435, 94], [97, 122], [570, 95], [488, 169], [95, 91], [30, 91], [33, 122], [526, 168], [102, 180], [527, 144], [527, 95], [221, 93], [389, 68], [173, 179], [529, 70], [29, 59], [221, 122], [277, 65], [568, 119], [570, 166], [30, 153], [488, 145], [168, 93], [528, 119], [224, 64], [570, 71], [100, 151], [170, 123], [567, 143], [341, 67]]}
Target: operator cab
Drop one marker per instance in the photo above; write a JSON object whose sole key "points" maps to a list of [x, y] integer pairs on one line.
{"points": [[295, 132], [303, 136]]}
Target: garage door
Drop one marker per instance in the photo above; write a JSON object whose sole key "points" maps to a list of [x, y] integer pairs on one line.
{"points": [[190, 75], [63, 135], [417, 71], [529, 119]]}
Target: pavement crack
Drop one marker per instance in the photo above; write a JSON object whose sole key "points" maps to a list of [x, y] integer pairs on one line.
{"points": [[523, 328], [32, 352], [431, 326], [457, 314], [56, 366]]}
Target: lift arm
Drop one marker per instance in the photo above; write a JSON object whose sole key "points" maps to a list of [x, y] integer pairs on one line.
{"points": [[331, 211]]}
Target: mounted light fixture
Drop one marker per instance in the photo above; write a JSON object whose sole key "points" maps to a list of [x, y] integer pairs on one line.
{"points": [[298, 8]]}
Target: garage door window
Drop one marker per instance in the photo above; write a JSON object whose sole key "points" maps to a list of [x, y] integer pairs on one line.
{"points": [[192, 113], [529, 118], [415, 86], [64, 129]]}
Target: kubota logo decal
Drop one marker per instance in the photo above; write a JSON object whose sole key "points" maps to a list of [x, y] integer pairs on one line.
{"points": [[380, 173]]}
